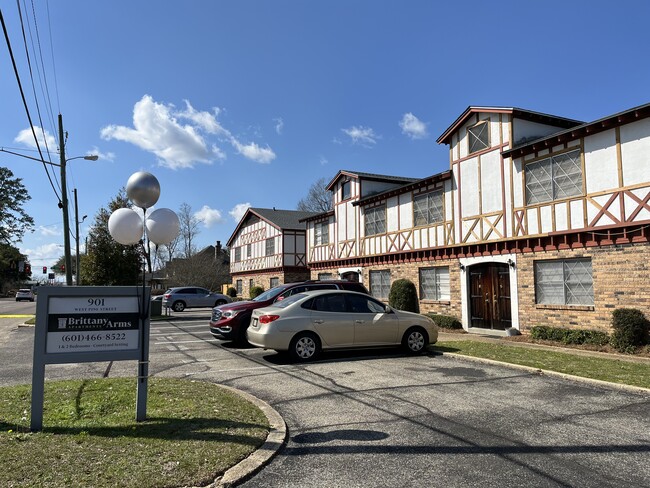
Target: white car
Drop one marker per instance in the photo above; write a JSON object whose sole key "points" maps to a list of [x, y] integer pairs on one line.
{"points": [[25, 294], [306, 323]]}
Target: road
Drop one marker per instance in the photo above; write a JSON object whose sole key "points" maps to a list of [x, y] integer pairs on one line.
{"points": [[380, 418]]}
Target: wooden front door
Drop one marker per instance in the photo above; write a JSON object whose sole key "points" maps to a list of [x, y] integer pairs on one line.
{"points": [[490, 296]]}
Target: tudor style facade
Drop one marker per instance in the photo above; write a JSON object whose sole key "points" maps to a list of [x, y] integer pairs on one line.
{"points": [[539, 220], [268, 248]]}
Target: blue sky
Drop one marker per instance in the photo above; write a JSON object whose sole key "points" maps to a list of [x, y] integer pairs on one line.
{"points": [[241, 103]]}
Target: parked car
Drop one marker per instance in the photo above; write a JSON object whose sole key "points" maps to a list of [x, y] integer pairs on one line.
{"points": [[309, 322], [182, 297], [231, 321], [25, 294]]}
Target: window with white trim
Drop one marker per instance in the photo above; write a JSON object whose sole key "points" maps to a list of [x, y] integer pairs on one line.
{"points": [[564, 282], [249, 251], [321, 233], [274, 282], [239, 287], [237, 254], [434, 283], [380, 283], [270, 246], [478, 136], [554, 178], [375, 220], [427, 208]]}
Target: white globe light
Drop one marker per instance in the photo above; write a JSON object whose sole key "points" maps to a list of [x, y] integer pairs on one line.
{"points": [[162, 226], [143, 189], [125, 226]]}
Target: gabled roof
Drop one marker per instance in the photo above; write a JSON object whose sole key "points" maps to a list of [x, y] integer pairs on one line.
{"points": [[414, 185], [519, 113], [280, 219], [369, 176], [589, 128]]}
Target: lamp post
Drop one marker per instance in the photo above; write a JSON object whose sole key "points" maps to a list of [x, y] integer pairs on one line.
{"points": [[77, 222], [126, 227]]}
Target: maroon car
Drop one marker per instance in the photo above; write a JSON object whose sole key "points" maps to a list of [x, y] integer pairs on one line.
{"points": [[231, 320]]}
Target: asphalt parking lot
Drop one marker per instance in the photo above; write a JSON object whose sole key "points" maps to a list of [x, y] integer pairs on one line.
{"points": [[380, 418]]}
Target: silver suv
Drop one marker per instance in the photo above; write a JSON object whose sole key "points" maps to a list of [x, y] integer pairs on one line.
{"points": [[182, 297]]}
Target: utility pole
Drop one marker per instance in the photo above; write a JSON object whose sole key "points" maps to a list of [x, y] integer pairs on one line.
{"points": [[64, 203], [76, 223]]}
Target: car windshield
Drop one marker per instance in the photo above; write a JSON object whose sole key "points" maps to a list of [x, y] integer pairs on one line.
{"points": [[269, 294], [289, 300]]}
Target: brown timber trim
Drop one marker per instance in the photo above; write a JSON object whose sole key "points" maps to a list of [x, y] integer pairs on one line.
{"points": [[602, 236]]}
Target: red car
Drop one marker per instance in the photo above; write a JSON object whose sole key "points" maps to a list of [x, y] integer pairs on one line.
{"points": [[231, 320]]}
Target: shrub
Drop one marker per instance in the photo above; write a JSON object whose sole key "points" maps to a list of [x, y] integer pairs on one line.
{"points": [[231, 292], [569, 336], [256, 291], [631, 329], [445, 321], [404, 296]]}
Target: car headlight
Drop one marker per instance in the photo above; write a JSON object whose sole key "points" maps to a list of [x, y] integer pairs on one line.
{"points": [[228, 314]]}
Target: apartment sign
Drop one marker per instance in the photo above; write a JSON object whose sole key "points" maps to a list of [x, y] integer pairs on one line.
{"points": [[92, 324]]}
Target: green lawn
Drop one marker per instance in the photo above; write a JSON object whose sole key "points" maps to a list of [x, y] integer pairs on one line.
{"points": [[193, 433], [604, 369]]}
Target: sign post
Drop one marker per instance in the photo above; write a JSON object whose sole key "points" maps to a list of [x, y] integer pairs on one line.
{"points": [[90, 324]]}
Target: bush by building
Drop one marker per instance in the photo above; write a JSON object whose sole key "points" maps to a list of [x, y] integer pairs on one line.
{"points": [[569, 336], [631, 329], [256, 291], [404, 296], [445, 321], [231, 292]]}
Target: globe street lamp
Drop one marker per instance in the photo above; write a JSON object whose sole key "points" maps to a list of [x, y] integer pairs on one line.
{"points": [[126, 227]]}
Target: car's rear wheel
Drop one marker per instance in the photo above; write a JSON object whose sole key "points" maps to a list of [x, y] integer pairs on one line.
{"points": [[220, 302], [415, 340], [305, 346], [178, 306]]}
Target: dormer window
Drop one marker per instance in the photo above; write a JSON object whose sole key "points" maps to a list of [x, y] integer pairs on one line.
{"points": [[345, 190], [479, 136]]}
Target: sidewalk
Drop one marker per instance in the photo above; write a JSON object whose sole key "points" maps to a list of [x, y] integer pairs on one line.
{"points": [[507, 341]]}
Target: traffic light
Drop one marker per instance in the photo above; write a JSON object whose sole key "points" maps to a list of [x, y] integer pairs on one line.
{"points": [[63, 268], [44, 269], [28, 269]]}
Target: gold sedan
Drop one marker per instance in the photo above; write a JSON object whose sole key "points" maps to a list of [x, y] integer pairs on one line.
{"points": [[307, 323]]}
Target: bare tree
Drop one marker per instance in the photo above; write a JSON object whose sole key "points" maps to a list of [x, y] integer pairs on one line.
{"points": [[318, 198], [189, 230]]}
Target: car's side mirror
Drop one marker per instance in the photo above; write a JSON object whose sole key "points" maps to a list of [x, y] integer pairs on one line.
{"points": [[388, 309]]}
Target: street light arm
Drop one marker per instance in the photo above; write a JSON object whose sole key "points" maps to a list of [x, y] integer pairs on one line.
{"points": [[90, 157]]}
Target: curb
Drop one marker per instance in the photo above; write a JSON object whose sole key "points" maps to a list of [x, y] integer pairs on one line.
{"points": [[530, 369], [263, 455]]}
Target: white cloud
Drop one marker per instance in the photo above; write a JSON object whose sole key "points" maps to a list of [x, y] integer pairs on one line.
{"points": [[413, 127], [157, 129], [209, 216], [364, 136], [279, 125], [239, 210], [254, 152], [45, 255], [323, 161], [50, 230], [26, 137]]}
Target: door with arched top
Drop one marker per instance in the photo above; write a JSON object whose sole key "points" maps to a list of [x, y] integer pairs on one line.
{"points": [[490, 296]]}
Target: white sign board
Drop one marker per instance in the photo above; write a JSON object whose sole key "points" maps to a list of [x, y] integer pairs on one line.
{"points": [[92, 323]]}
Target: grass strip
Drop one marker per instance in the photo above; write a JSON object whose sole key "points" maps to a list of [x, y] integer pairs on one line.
{"points": [[604, 369], [194, 431]]}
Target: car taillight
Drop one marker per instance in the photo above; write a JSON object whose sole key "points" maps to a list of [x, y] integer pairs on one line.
{"points": [[166, 296], [267, 319]]}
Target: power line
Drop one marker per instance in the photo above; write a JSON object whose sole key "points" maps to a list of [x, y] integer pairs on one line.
{"points": [[56, 84], [22, 95], [46, 94], [31, 73]]}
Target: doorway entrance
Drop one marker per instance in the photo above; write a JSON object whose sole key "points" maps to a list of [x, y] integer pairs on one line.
{"points": [[490, 296]]}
